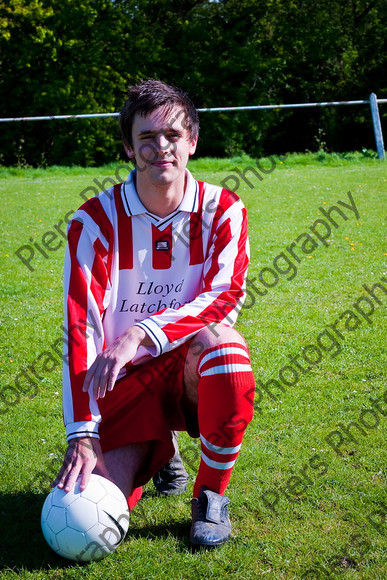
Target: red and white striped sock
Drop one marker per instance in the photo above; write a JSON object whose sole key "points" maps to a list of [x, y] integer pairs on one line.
{"points": [[225, 391]]}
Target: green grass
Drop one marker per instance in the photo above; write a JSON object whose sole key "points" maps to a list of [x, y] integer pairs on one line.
{"points": [[329, 510]]}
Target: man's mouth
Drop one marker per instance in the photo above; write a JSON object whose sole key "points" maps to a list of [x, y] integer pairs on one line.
{"points": [[162, 163]]}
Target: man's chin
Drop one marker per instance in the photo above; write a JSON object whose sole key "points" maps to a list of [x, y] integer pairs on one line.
{"points": [[164, 174]]}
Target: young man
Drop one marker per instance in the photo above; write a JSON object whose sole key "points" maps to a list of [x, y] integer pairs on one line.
{"points": [[154, 280]]}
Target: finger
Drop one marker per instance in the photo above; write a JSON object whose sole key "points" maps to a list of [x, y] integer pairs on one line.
{"points": [[56, 480], [62, 481], [71, 478], [113, 377], [92, 371], [104, 379], [93, 375], [89, 377], [87, 381], [89, 457], [100, 382], [85, 478], [59, 476], [62, 475]]}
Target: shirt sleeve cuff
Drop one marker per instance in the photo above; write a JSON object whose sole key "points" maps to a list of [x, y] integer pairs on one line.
{"points": [[159, 338], [82, 429]]}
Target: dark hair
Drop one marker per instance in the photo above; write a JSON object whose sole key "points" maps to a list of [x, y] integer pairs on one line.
{"points": [[151, 94]]}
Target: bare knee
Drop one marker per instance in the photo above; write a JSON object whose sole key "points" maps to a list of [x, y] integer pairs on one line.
{"points": [[215, 335], [208, 337], [123, 464]]}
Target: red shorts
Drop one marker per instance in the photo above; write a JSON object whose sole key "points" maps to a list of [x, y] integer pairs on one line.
{"points": [[144, 406]]}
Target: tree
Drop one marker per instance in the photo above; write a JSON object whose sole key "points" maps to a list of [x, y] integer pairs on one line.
{"points": [[70, 56]]}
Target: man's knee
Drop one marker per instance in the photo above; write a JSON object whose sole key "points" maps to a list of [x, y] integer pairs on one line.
{"points": [[209, 337], [218, 334]]}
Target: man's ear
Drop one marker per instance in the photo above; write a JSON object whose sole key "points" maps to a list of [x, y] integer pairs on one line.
{"points": [[129, 151], [194, 143]]}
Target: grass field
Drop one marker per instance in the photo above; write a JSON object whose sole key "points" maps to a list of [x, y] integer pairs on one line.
{"points": [[308, 494]]}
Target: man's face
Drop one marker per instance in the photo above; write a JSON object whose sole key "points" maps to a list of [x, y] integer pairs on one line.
{"points": [[161, 145]]}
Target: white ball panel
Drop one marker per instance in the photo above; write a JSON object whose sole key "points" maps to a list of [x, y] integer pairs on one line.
{"points": [[82, 515], [56, 519], [71, 543]]}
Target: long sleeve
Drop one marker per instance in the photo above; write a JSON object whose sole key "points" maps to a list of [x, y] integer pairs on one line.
{"points": [[87, 289]]}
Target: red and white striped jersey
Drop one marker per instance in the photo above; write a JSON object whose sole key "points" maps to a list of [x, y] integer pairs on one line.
{"points": [[172, 276]]}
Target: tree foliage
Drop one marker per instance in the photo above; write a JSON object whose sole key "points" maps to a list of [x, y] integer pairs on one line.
{"points": [[78, 56]]}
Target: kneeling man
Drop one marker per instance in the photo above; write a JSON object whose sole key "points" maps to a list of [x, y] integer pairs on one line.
{"points": [[154, 280]]}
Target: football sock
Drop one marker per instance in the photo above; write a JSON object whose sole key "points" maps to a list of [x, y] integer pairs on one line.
{"points": [[225, 408], [134, 497]]}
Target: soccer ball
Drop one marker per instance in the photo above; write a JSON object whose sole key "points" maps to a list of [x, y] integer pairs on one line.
{"points": [[85, 525]]}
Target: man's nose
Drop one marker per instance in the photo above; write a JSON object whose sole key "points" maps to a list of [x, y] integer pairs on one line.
{"points": [[161, 142]]}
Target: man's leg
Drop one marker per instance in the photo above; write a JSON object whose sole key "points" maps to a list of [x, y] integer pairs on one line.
{"points": [[123, 464], [219, 379]]}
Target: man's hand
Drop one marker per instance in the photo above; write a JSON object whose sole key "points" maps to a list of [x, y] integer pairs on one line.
{"points": [[104, 370], [82, 456]]}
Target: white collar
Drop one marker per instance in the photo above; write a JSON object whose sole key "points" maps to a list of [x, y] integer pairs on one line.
{"points": [[133, 205]]}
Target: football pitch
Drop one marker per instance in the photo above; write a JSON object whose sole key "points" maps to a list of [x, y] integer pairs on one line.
{"points": [[308, 493]]}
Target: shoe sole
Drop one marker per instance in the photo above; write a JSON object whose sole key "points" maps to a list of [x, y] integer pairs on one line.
{"points": [[209, 545], [206, 546]]}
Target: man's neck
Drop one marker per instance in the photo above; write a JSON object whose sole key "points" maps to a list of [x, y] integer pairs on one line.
{"points": [[160, 200]]}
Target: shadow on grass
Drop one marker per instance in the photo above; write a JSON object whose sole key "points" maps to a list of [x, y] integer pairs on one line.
{"points": [[21, 539], [142, 526], [179, 530], [24, 547]]}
